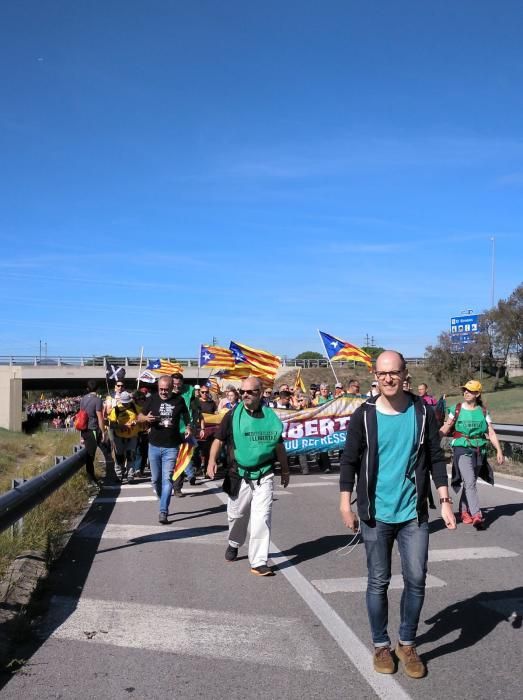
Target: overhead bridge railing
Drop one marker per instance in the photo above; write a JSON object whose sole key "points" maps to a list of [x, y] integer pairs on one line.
{"points": [[20, 500]]}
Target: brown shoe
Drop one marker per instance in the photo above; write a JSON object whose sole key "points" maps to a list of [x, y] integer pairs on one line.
{"points": [[383, 661], [412, 664]]}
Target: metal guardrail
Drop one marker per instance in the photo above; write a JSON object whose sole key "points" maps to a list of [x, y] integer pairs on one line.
{"points": [[16, 503], [79, 361], [508, 432]]}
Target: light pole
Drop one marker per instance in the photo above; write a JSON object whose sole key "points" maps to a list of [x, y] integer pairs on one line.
{"points": [[493, 282]]}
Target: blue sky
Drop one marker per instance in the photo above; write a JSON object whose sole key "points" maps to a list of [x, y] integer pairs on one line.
{"points": [[174, 171]]}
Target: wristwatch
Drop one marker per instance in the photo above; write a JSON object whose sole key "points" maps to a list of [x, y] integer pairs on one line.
{"points": [[445, 500]]}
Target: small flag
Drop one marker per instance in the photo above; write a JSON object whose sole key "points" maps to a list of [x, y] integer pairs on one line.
{"points": [[213, 384], [184, 457], [164, 367], [214, 356], [147, 377], [115, 373], [298, 382], [337, 350]]}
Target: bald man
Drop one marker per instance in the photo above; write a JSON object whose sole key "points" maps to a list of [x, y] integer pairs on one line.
{"points": [[393, 447]]}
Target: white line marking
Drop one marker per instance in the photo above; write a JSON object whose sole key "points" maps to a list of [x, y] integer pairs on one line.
{"points": [[333, 477], [154, 533], [359, 584], [144, 485], [125, 499], [307, 484], [385, 687], [461, 553], [263, 639], [500, 486]]}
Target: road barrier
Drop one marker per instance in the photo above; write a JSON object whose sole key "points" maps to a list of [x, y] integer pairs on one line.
{"points": [[16, 503]]}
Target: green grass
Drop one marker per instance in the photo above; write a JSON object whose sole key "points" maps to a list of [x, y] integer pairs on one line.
{"points": [[24, 456]]}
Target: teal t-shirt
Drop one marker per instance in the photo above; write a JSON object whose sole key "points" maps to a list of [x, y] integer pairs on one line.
{"points": [[395, 495]]}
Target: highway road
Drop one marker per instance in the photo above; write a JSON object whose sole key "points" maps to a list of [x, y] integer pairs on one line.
{"points": [[139, 610]]}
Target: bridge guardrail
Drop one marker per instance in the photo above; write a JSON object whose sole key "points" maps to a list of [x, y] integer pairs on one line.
{"points": [[84, 361], [16, 503]]}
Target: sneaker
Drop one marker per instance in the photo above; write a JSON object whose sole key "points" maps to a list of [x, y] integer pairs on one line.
{"points": [[130, 477], [262, 570], [466, 517], [192, 480], [327, 471], [162, 519], [231, 553], [478, 521], [412, 664], [178, 494], [383, 661]]}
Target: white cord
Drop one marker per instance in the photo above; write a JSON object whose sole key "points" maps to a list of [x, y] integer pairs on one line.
{"points": [[350, 546]]}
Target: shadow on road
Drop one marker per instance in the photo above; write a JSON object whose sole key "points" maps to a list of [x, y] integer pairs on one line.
{"points": [[474, 618], [312, 549], [66, 578]]}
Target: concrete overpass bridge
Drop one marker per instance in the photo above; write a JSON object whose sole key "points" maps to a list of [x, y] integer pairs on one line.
{"points": [[66, 373]]}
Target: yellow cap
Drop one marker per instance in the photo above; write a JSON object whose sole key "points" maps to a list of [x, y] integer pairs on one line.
{"points": [[472, 385]]}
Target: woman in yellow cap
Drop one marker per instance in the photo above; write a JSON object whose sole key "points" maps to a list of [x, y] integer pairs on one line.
{"points": [[472, 429]]}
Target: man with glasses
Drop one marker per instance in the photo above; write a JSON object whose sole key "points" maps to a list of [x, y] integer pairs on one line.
{"points": [[353, 388], [252, 434], [162, 412], [393, 448]]}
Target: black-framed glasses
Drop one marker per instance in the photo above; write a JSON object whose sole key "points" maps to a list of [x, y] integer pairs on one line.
{"points": [[393, 374], [249, 392]]}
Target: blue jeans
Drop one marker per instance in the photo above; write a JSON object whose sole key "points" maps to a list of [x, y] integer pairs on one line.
{"points": [[162, 461], [413, 545]]}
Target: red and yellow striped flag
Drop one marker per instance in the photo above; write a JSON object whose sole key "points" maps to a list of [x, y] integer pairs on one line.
{"points": [[259, 362], [298, 382], [214, 356], [184, 457]]}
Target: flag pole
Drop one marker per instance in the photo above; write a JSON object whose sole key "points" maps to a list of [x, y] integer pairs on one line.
{"points": [[139, 369], [328, 358]]}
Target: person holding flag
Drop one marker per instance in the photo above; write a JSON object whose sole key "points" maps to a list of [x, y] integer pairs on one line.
{"points": [[163, 412]]}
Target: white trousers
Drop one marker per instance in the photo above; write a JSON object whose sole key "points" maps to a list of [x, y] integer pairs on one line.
{"points": [[255, 500]]}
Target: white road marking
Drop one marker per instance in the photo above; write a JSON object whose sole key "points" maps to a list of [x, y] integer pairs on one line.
{"points": [[335, 477], [265, 639], [385, 687], [154, 533], [125, 499], [359, 584], [461, 553], [500, 486], [145, 484]]}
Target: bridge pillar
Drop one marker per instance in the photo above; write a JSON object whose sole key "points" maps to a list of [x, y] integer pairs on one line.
{"points": [[10, 398]]}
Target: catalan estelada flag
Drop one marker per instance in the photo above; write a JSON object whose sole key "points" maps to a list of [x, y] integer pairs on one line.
{"points": [[164, 367], [337, 350], [214, 356], [185, 454], [213, 384], [298, 382], [260, 362]]}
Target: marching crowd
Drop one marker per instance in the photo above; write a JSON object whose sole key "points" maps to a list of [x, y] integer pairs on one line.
{"points": [[391, 454]]}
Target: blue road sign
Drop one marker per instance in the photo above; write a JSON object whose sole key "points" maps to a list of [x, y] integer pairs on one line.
{"points": [[462, 331]]}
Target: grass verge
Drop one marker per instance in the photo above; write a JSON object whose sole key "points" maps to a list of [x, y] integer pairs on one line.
{"points": [[24, 456]]}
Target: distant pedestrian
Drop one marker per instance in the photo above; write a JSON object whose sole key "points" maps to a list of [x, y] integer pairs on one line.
{"points": [[93, 405]]}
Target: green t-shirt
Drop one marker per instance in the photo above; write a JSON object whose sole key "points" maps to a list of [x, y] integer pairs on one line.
{"points": [[471, 423], [395, 495], [255, 440]]}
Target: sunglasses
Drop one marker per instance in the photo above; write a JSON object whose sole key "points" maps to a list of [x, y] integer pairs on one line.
{"points": [[249, 392], [120, 386]]}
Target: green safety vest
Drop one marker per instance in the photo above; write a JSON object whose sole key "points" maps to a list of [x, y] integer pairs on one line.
{"points": [[255, 441]]}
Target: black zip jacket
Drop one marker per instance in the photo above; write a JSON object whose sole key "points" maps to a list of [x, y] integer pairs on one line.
{"points": [[360, 456]]}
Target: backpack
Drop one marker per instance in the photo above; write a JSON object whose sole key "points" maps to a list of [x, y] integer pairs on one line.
{"points": [[81, 420], [439, 411]]}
